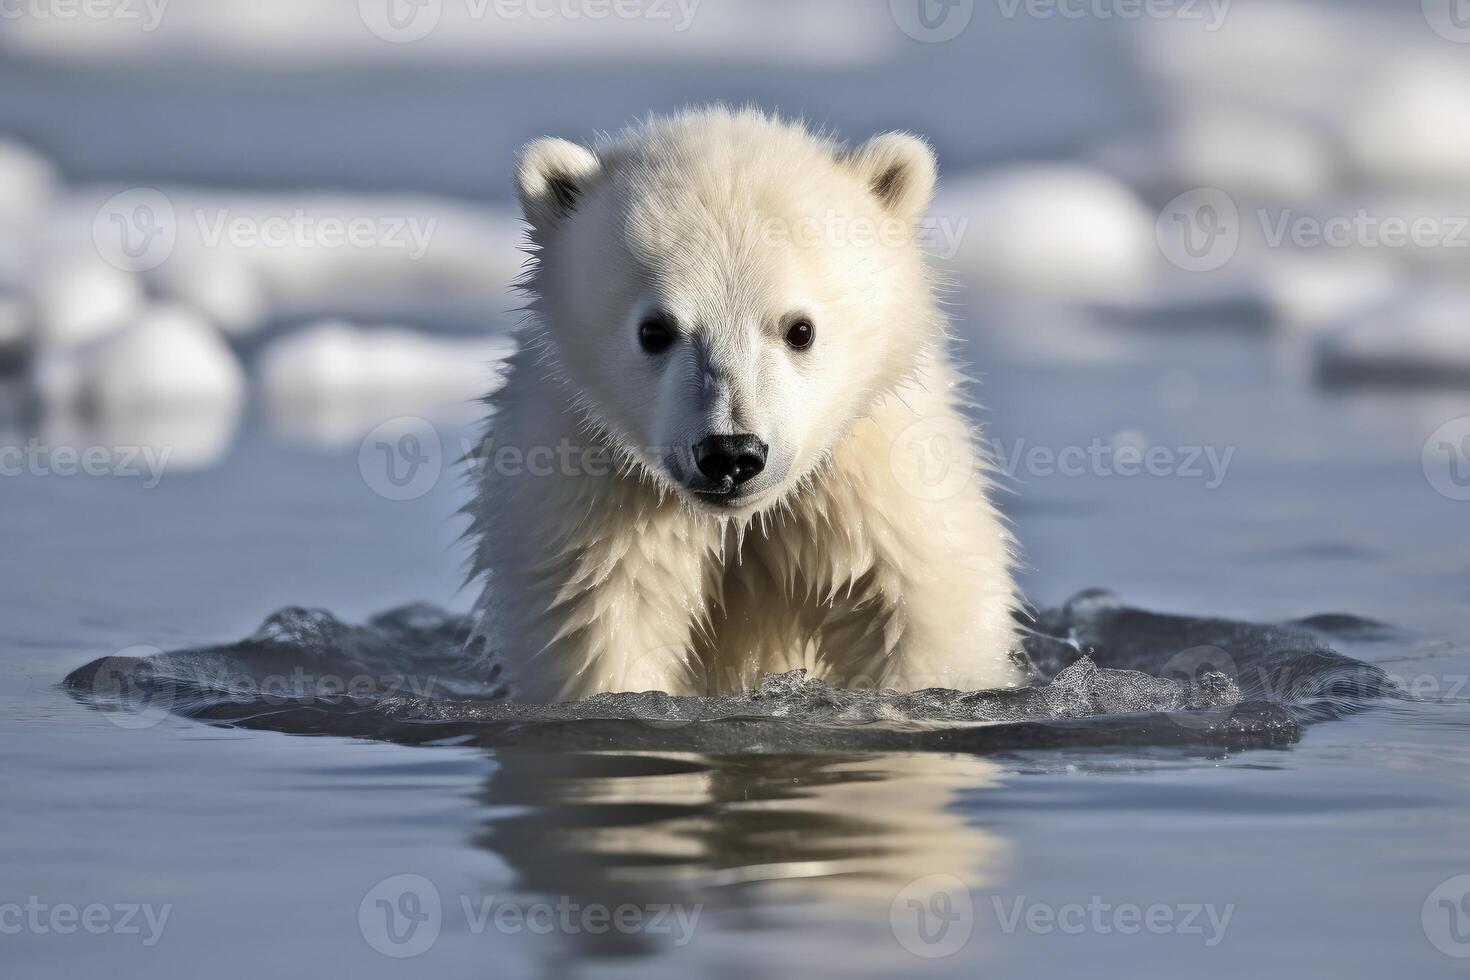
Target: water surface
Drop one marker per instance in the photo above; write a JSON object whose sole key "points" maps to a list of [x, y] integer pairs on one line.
{"points": [[270, 850]]}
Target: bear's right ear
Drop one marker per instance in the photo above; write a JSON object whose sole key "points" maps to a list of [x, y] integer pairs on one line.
{"points": [[551, 176], [900, 170]]}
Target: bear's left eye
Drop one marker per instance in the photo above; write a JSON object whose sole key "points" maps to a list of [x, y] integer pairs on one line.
{"points": [[799, 335]]}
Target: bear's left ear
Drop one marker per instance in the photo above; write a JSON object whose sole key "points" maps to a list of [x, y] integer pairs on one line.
{"points": [[551, 177], [900, 170]]}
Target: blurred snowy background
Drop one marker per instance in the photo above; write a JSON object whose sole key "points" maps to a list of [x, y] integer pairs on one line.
{"points": [[300, 211]]}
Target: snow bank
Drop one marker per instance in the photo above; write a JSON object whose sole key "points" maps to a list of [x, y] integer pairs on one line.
{"points": [[331, 382], [1063, 231]]}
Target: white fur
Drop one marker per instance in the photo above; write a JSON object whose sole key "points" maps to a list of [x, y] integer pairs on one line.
{"points": [[617, 577]]}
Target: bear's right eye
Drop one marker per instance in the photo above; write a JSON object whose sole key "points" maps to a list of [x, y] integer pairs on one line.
{"points": [[655, 335]]}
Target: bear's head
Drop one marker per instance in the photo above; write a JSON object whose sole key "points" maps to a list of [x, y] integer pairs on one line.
{"points": [[725, 294]]}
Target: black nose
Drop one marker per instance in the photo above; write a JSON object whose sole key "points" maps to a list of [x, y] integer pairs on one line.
{"points": [[733, 458]]}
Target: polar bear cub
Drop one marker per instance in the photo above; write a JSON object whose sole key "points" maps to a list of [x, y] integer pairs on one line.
{"points": [[732, 440]]}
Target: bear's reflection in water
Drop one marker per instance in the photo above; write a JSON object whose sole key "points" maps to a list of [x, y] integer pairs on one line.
{"points": [[736, 835]]}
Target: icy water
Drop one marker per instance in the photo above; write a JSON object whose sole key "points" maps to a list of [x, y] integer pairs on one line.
{"points": [[1328, 847]]}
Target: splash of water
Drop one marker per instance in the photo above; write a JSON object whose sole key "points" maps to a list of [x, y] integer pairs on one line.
{"points": [[1104, 674]]}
